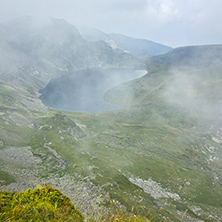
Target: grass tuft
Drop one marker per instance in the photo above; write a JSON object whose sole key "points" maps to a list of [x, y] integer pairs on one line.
{"points": [[41, 204]]}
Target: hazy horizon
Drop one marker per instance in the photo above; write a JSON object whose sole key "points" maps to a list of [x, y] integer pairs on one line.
{"points": [[170, 22]]}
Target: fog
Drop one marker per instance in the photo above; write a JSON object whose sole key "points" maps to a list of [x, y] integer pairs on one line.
{"points": [[197, 90], [170, 22], [83, 91]]}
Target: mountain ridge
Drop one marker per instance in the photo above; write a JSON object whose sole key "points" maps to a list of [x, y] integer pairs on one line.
{"points": [[139, 45], [55, 47], [126, 43], [191, 55]]}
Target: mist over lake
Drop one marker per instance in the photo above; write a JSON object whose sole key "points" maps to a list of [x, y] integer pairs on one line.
{"points": [[83, 91]]}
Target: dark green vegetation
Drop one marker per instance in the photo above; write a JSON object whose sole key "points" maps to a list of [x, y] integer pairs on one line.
{"points": [[41, 204], [166, 140]]}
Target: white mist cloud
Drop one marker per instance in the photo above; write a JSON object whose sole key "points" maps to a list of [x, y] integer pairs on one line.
{"points": [[171, 22]]}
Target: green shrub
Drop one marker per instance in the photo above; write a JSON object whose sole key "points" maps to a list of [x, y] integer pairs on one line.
{"points": [[41, 204]]}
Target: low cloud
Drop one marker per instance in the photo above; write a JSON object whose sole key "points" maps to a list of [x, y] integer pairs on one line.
{"points": [[171, 22]]}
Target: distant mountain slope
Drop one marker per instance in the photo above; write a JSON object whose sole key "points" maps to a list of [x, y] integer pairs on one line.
{"points": [[191, 55], [139, 45], [126, 43], [187, 76], [92, 34], [194, 89]]}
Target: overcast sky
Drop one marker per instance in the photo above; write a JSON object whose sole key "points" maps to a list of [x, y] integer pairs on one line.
{"points": [[170, 22]]}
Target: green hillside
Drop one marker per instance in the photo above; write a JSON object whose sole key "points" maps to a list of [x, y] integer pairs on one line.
{"points": [[160, 146], [166, 140]]}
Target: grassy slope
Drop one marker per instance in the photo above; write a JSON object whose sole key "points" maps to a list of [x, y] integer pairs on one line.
{"points": [[177, 130], [127, 147], [152, 139]]}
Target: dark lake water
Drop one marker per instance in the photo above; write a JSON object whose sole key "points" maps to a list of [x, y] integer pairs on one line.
{"points": [[83, 91]]}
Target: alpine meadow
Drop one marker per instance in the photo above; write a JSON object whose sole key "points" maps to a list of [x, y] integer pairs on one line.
{"points": [[124, 129]]}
